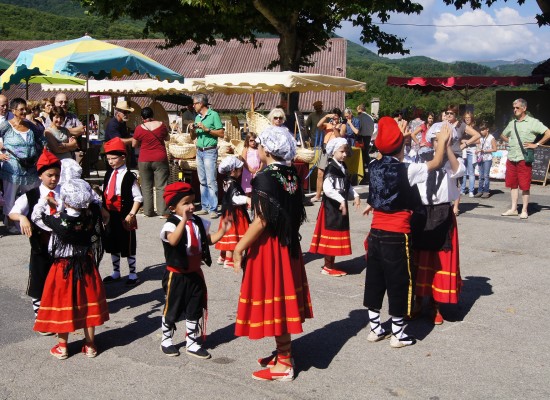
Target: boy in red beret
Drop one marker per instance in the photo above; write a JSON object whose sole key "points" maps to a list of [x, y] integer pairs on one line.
{"points": [[185, 238], [122, 199], [392, 197], [49, 168]]}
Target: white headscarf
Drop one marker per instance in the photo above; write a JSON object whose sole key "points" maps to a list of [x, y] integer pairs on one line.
{"points": [[335, 144], [228, 164], [69, 170], [77, 193], [278, 141]]}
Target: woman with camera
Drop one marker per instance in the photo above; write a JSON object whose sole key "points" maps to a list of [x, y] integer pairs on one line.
{"points": [[152, 162], [21, 146], [332, 127]]}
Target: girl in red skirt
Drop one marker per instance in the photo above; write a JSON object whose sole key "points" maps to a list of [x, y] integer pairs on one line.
{"points": [[274, 298], [435, 236], [234, 204], [331, 235], [73, 297]]}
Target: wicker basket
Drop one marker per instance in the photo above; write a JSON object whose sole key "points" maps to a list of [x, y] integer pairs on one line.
{"points": [[304, 155], [181, 138], [224, 148], [182, 151], [238, 147], [256, 122]]}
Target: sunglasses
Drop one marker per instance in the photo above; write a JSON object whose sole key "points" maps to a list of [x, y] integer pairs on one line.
{"points": [[278, 117], [449, 113]]}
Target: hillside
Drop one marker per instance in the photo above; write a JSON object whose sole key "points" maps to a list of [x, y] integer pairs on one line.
{"points": [[42, 20]]}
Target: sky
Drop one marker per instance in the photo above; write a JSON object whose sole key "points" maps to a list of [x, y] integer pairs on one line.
{"points": [[488, 42]]}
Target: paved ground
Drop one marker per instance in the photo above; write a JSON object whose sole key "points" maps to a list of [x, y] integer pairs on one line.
{"points": [[493, 346]]}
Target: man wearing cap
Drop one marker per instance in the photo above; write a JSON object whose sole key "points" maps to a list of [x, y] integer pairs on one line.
{"points": [[392, 197], [72, 123], [207, 128], [117, 125], [313, 119]]}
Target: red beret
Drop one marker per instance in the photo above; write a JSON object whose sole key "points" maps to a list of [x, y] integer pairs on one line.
{"points": [[389, 138], [46, 161], [115, 145], [174, 192]]}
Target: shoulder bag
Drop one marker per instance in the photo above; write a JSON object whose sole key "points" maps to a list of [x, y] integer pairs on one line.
{"points": [[528, 154]]}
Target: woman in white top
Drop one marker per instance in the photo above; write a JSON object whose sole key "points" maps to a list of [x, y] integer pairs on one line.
{"points": [[485, 149]]}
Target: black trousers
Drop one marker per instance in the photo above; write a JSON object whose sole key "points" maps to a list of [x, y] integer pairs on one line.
{"points": [[39, 267], [185, 294], [117, 239], [389, 269]]}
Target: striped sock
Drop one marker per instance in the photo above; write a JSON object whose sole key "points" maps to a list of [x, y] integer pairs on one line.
{"points": [[115, 260], [167, 333], [132, 267]]}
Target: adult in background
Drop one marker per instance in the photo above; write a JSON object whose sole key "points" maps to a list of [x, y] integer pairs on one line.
{"points": [[72, 123], [5, 113], [366, 129], [153, 167], [207, 128], [518, 170], [21, 146], [352, 126], [60, 142], [117, 125], [312, 120]]}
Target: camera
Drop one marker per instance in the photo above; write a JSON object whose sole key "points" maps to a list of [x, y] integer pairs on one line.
{"points": [[195, 125]]}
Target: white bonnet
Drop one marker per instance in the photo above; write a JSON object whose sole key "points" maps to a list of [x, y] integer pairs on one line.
{"points": [[228, 164], [278, 141], [335, 144], [77, 193]]}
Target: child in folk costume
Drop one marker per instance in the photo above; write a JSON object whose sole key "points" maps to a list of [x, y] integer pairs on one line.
{"points": [[331, 235], [252, 162], [73, 296], [435, 235], [274, 298], [48, 167], [393, 195], [234, 204], [185, 239], [122, 199]]}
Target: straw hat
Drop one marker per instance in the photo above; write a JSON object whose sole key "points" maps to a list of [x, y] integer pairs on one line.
{"points": [[123, 106]]}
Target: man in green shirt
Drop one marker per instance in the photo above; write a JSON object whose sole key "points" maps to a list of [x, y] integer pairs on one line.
{"points": [[207, 129], [518, 172]]}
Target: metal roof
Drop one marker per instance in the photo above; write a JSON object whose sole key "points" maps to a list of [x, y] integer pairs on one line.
{"points": [[224, 58]]}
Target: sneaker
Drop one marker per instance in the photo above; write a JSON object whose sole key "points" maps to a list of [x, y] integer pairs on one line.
{"points": [[45, 333], [486, 195], [220, 260], [332, 272], [510, 213], [170, 351], [110, 279], [401, 342], [199, 353], [524, 215], [201, 212], [478, 195], [213, 215], [59, 352], [376, 337], [470, 194], [89, 350]]}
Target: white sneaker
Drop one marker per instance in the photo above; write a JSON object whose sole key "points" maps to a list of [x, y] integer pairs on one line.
{"points": [[220, 260], [470, 194]]}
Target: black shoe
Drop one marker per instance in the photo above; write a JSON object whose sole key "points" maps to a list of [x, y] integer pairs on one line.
{"points": [[170, 351], [132, 282], [110, 279], [200, 353]]}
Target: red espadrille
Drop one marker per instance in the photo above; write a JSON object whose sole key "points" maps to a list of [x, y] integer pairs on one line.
{"points": [[268, 375]]}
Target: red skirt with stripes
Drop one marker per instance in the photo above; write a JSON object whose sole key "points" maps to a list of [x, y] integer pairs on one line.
{"points": [[439, 271], [274, 297], [235, 233], [329, 242], [67, 306]]}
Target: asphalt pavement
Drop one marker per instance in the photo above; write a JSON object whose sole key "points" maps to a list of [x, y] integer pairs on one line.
{"points": [[493, 344]]}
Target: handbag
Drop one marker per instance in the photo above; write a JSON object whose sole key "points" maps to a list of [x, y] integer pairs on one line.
{"points": [[528, 154], [27, 162], [480, 154]]}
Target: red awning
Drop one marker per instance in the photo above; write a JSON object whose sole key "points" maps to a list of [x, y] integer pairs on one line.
{"points": [[462, 82]]}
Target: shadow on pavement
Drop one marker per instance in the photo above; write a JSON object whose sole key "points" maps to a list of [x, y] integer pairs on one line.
{"points": [[473, 287], [150, 273], [317, 349]]}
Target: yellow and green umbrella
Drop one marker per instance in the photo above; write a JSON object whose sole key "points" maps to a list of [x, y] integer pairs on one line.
{"points": [[87, 57]]}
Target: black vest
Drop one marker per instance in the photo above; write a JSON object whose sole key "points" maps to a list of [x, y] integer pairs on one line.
{"points": [[127, 198], [176, 256], [334, 219], [389, 188], [40, 238]]}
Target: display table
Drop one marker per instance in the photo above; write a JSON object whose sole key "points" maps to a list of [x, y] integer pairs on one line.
{"points": [[302, 169]]}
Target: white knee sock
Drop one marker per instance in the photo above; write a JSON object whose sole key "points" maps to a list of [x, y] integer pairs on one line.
{"points": [[132, 267], [398, 329], [374, 319], [167, 334], [35, 306], [115, 260], [193, 331]]}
